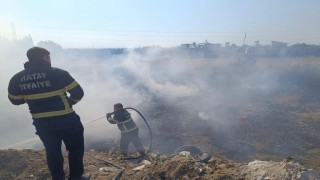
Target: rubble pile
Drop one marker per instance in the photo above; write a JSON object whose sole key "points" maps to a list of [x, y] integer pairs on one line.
{"points": [[31, 164], [272, 170]]}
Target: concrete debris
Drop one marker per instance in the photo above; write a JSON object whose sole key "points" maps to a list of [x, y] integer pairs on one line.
{"points": [[272, 170], [139, 168], [146, 162]]}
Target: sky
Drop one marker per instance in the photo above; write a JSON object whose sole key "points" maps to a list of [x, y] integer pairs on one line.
{"points": [[166, 23]]}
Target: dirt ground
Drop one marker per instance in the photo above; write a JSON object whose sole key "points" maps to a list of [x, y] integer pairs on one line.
{"points": [[101, 165]]}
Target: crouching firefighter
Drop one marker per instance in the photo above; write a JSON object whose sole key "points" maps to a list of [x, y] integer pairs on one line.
{"points": [[129, 129]]}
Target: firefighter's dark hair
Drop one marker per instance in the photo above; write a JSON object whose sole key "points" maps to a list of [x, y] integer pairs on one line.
{"points": [[37, 53]]}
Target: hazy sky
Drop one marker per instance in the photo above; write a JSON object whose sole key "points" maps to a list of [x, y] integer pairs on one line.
{"points": [[120, 23]]}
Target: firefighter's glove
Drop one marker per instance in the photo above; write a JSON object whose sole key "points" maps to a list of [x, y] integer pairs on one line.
{"points": [[108, 115]]}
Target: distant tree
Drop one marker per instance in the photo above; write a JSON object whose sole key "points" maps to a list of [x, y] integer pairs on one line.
{"points": [[26, 41], [15, 45], [50, 45], [303, 49]]}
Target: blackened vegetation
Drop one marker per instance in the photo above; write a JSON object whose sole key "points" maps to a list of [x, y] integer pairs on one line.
{"points": [[249, 122]]}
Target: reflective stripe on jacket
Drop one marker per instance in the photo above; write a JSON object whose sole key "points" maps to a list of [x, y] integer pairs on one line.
{"points": [[44, 89], [124, 121]]}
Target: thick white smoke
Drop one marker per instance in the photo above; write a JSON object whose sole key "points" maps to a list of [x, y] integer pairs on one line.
{"points": [[16, 122], [208, 88]]}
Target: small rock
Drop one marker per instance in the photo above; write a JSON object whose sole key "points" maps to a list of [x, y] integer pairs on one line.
{"points": [[153, 155], [259, 178], [185, 153], [163, 157], [139, 168], [185, 178], [212, 160], [146, 162], [107, 170], [222, 166]]}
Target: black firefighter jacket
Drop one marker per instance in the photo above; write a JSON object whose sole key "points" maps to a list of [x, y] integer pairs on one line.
{"points": [[44, 89], [124, 121]]}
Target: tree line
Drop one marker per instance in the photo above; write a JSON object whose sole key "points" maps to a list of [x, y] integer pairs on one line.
{"points": [[295, 50]]}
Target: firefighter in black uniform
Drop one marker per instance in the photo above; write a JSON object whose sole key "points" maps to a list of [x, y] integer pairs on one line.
{"points": [[44, 89], [129, 129]]}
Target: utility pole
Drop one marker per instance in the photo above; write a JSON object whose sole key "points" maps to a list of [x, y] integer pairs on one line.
{"points": [[244, 44], [244, 39]]}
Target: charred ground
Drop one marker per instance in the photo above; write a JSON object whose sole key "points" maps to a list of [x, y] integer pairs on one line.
{"points": [[266, 111]]}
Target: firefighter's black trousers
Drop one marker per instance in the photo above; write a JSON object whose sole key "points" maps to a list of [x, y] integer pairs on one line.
{"points": [[133, 137], [69, 129]]}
